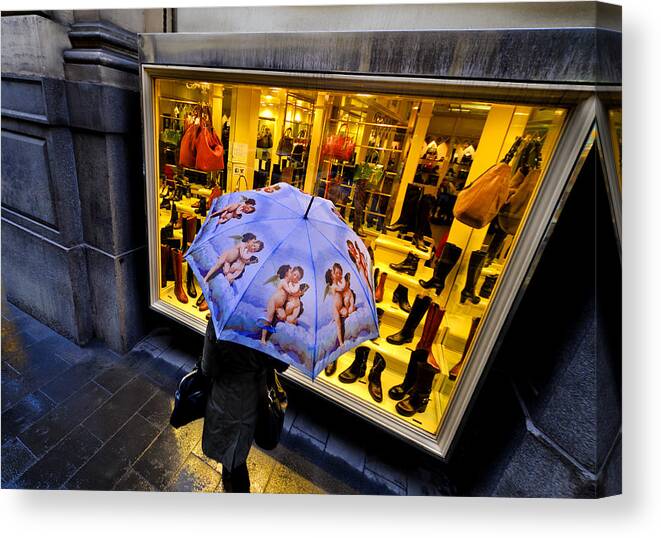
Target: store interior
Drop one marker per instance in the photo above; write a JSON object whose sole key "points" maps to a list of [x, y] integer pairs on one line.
{"points": [[439, 189]]}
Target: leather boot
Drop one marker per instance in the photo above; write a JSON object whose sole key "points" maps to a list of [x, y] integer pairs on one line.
{"points": [[432, 323], [449, 256], [401, 298], [190, 282], [379, 317], [409, 265], [397, 227], [374, 378], [189, 229], [420, 306], [174, 216], [419, 243], [456, 369], [204, 306], [418, 397], [474, 268], [177, 260], [378, 293], [330, 368], [358, 366], [399, 391], [487, 286], [199, 301], [202, 210], [376, 276], [165, 261]]}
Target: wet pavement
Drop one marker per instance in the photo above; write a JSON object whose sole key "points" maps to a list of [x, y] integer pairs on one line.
{"points": [[87, 418]]}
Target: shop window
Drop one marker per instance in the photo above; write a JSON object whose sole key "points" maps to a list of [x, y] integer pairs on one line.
{"points": [[438, 188]]}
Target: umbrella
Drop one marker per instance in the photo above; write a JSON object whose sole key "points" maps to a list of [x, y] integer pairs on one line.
{"points": [[283, 273]]}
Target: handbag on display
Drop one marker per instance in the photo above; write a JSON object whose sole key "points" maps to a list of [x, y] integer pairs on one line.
{"points": [[271, 412], [286, 144], [210, 152], [339, 146], [480, 202], [265, 138], [511, 213], [187, 148], [190, 398], [298, 153]]}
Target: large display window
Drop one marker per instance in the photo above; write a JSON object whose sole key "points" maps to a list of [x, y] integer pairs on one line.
{"points": [[438, 189]]}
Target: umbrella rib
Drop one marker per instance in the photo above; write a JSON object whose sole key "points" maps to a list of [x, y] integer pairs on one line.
{"points": [[237, 225], [360, 280], [316, 306]]}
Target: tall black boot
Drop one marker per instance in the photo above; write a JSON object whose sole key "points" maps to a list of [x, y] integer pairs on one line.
{"points": [[174, 215], [487, 286], [420, 306], [401, 298], [474, 268], [449, 256], [358, 366], [418, 398], [374, 378], [399, 391], [190, 282], [409, 265]]}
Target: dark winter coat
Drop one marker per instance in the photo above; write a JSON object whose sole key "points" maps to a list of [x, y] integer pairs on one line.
{"points": [[239, 377]]}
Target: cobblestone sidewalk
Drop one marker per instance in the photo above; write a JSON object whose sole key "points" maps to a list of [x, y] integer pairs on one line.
{"points": [[87, 418]]}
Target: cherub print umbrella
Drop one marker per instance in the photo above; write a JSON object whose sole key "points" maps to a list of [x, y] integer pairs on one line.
{"points": [[283, 273]]}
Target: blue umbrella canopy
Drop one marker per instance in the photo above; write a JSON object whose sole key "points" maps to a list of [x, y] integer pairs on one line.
{"points": [[283, 273]]}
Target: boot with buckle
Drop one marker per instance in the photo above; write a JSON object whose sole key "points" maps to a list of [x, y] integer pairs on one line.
{"points": [[399, 391], [358, 366], [417, 399], [409, 265]]}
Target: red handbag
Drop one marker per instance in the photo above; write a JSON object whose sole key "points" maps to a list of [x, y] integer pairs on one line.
{"points": [[187, 148], [210, 152], [339, 146]]}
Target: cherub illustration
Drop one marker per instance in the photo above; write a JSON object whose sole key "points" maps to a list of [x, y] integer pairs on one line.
{"points": [[344, 298], [358, 258], [234, 211], [285, 304], [234, 260], [270, 189]]}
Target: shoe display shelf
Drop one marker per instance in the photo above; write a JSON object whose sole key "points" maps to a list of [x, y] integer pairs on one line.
{"points": [[167, 293], [438, 401]]}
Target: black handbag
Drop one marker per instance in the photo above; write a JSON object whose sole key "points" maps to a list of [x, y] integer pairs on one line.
{"points": [[190, 399], [271, 413]]}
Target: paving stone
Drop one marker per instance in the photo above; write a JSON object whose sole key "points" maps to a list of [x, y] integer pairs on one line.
{"points": [[24, 413], [38, 365], [158, 408], [15, 459], [60, 463], [195, 476], [285, 480], [178, 357], [342, 448], [132, 481], [303, 442], [50, 429], [39, 331], [166, 375], [260, 467], [290, 416], [160, 338], [115, 377], [422, 481], [165, 456], [75, 377], [114, 413], [114, 459], [388, 470], [12, 312], [374, 484], [197, 450], [312, 426], [66, 349]]}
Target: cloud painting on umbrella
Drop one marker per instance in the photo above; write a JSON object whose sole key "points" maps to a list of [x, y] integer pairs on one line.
{"points": [[283, 273]]}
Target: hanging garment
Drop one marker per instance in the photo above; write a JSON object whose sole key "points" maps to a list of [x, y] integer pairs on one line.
{"points": [[510, 215], [479, 203]]}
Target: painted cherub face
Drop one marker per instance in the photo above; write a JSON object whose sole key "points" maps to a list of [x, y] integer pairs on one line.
{"points": [[295, 275], [247, 208], [337, 273], [254, 245]]}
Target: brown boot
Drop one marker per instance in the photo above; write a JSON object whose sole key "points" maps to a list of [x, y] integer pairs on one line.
{"points": [[456, 369], [177, 260], [378, 293], [432, 323], [189, 230]]}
